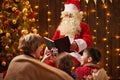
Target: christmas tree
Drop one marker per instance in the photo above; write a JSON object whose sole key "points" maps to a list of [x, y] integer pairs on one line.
{"points": [[16, 19]]}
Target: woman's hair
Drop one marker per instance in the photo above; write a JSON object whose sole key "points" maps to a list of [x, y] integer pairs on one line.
{"points": [[30, 43], [64, 61], [94, 53]]}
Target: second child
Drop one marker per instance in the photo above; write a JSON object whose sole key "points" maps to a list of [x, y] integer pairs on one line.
{"points": [[89, 69]]}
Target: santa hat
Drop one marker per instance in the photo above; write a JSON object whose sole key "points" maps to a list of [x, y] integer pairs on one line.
{"points": [[77, 56], [72, 5]]}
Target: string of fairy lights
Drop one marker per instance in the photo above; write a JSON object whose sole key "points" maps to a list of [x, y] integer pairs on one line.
{"points": [[107, 33], [106, 28]]}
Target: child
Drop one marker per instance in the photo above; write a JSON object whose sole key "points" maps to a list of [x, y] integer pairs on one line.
{"points": [[64, 61], [89, 69]]}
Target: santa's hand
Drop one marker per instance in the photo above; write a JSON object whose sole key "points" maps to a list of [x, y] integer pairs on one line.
{"points": [[73, 46]]}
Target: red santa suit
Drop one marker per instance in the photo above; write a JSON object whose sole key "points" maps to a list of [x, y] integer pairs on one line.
{"points": [[83, 39]]}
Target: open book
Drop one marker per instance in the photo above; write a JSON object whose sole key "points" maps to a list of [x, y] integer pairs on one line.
{"points": [[63, 44]]}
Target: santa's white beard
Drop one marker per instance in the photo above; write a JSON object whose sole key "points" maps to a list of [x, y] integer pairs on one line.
{"points": [[69, 27]]}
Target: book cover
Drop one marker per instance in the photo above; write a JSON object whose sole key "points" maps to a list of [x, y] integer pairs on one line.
{"points": [[63, 44]]}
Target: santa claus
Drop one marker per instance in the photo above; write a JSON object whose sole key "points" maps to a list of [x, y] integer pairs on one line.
{"points": [[71, 25]]}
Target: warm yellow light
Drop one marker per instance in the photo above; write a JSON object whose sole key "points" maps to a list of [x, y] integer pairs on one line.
{"points": [[106, 58], [118, 67], [106, 27], [46, 33], [107, 52], [85, 13], [104, 39], [47, 5], [93, 10], [107, 46], [105, 6], [107, 21], [36, 7], [117, 37], [108, 32], [49, 12], [50, 26], [87, 1], [73, 68], [94, 30], [106, 64], [93, 37], [94, 43], [108, 14], [117, 49], [97, 23], [1, 31], [63, 3], [97, 17], [49, 19]]}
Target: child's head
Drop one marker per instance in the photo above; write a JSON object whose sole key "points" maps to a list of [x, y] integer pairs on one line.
{"points": [[90, 55], [64, 61]]}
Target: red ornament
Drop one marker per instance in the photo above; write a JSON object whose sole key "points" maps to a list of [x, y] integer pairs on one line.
{"points": [[31, 13], [3, 17], [17, 12], [6, 23], [16, 30]]}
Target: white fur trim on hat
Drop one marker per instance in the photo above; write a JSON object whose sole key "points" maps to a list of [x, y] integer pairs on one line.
{"points": [[76, 55], [70, 8], [81, 44]]}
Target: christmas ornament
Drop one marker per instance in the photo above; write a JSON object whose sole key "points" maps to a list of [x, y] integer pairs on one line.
{"points": [[3, 63], [24, 18], [27, 2], [6, 47], [24, 32], [24, 10], [35, 31], [16, 12], [7, 35], [14, 21], [1, 31], [14, 8], [3, 17], [9, 40], [6, 23], [33, 20]]}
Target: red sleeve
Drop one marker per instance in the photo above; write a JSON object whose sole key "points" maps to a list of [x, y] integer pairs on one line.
{"points": [[79, 72], [50, 63], [56, 35], [86, 34]]}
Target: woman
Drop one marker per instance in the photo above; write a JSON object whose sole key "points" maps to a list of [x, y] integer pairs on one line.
{"points": [[27, 67]]}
